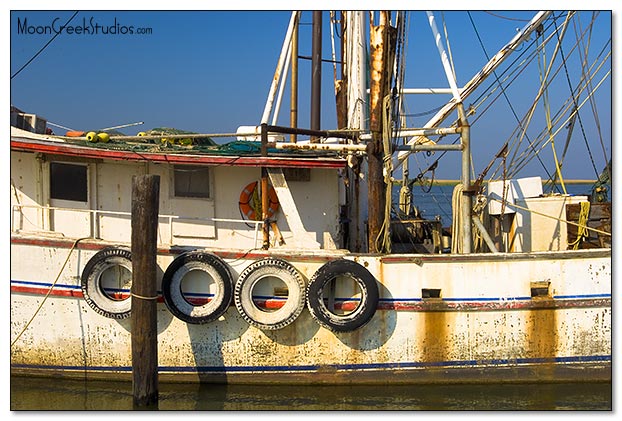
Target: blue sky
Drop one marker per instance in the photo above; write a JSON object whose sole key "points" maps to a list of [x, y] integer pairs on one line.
{"points": [[210, 71]]}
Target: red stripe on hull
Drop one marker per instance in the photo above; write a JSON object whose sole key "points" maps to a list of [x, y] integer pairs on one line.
{"points": [[417, 306]]}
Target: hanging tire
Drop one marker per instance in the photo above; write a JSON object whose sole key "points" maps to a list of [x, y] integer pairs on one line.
{"points": [[106, 282], [361, 314], [262, 270], [197, 311]]}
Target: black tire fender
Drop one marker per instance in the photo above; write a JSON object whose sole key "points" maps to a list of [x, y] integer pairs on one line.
{"points": [[173, 295], [259, 270], [98, 298], [369, 295]]}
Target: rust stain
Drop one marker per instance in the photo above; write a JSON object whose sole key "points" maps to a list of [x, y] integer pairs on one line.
{"points": [[435, 346], [542, 333]]}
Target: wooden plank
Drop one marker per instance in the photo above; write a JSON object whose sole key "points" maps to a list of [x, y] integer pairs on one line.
{"points": [[290, 210]]}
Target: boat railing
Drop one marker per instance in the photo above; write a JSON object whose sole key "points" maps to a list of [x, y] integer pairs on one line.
{"points": [[45, 216]]}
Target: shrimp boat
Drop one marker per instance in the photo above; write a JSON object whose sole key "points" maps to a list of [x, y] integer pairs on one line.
{"points": [[282, 255]]}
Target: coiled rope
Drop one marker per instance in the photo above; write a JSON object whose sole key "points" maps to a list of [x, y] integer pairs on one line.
{"points": [[456, 219], [582, 231]]}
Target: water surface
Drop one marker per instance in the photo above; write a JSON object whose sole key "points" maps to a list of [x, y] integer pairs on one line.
{"points": [[56, 394]]}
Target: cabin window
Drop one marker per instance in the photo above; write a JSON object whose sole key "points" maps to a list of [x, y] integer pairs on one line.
{"points": [[192, 181], [68, 182]]}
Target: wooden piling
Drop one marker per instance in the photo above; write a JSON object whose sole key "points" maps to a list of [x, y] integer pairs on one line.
{"points": [[145, 206]]}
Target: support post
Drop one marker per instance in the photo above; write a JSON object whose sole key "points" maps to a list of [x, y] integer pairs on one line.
{"points": [[379, 88], [466, 183], [293, 115], [265, 200], [145, 206], [316, 74]]}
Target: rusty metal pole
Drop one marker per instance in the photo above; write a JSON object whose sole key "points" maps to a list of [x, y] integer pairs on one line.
{"points": [[265, 201], [378, 90], [144, 224], [316, 73], [293, 115]]}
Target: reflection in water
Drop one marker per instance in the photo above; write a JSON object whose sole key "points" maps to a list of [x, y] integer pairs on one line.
{"points": [[46, 394]]}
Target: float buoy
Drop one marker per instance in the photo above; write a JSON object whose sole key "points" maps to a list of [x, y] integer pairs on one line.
{"points": [[91, 137], [250, 202], [103, 137]]}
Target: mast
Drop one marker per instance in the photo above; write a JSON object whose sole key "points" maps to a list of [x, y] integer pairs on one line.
{"points": [[382, 38], [316, 73], [352, 113], [293, 99]]}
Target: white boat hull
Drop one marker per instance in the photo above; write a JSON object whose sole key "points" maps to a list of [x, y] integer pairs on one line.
{"points": [[486, 325]]}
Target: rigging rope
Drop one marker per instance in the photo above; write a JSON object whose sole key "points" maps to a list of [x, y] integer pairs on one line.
{"points": [[547, 109], [45, 46], [501, 87], [49, 290], [383, 240], [514, 205], [583, 64], [520, 161], [574, 100]]}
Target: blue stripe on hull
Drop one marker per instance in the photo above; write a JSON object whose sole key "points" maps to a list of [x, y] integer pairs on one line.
{"points": [[312, 368]]}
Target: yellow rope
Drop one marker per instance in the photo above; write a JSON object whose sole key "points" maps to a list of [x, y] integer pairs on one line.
{"points": [[456, 220], [256, 203], [584, 214], [49, 290]]}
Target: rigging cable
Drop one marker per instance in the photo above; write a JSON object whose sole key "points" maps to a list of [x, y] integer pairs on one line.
{"points": [[530, 113], [515, 69], [592, 104], [503, 91], [45, 46], [525, 159], [545, 98], [505, 17], [574, 100]]}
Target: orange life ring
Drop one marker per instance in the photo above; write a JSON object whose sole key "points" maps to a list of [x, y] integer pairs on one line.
{"points": [[250, 202]]}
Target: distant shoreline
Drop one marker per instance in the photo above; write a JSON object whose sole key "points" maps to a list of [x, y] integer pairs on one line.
{"points": [[454, 182]]}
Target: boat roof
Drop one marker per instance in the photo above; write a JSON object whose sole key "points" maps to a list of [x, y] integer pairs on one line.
{"points": [[236, 153]]}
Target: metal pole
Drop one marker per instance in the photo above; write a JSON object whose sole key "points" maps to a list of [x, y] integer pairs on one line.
{"points": [[316, 73], [265, 201], [279, 68], [293, 115], [466, 183], [485, 235], [479, 78]]}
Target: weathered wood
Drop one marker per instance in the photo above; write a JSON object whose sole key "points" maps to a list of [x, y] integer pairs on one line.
{"points": [[598, 218], [380, 47], [145, 206], [597, 211]]}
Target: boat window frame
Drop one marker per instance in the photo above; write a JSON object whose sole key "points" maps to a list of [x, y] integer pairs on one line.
{"points": [[84, 166], [209, 184]]}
